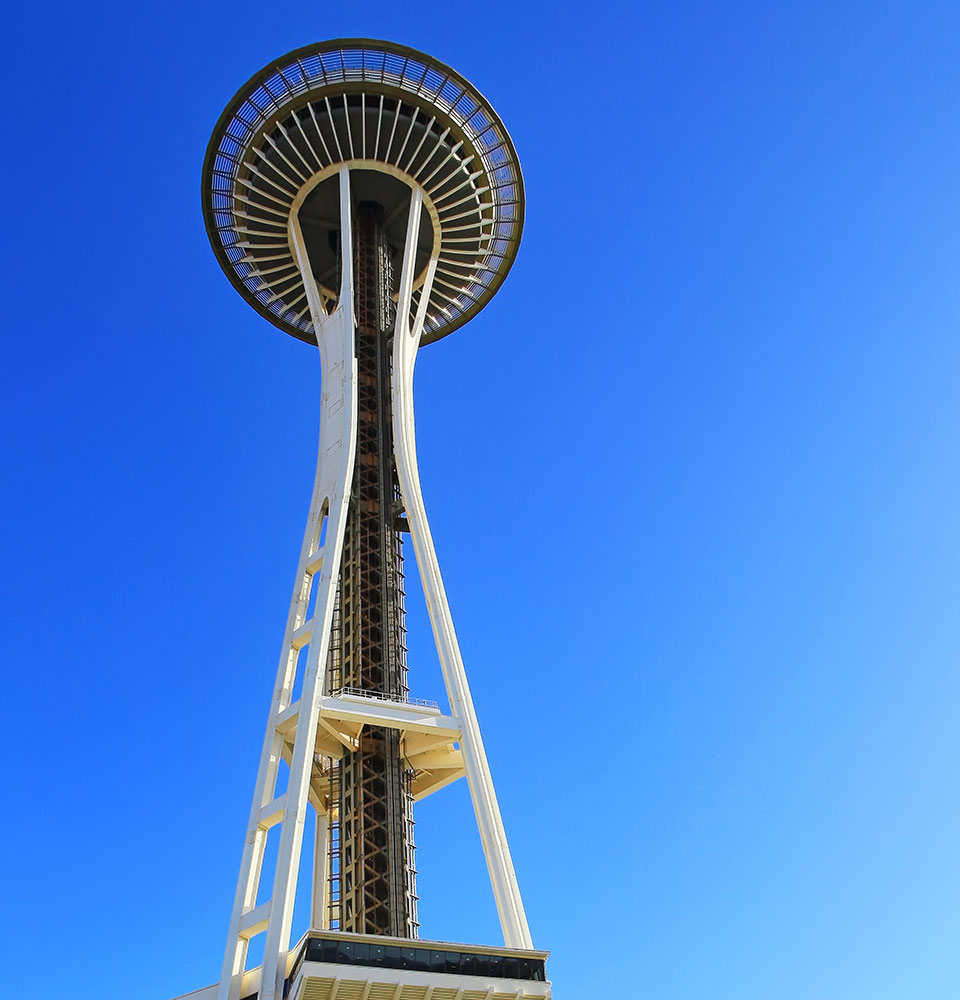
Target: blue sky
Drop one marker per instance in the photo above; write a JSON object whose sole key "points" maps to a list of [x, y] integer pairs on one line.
{"points": [[693, 477]]}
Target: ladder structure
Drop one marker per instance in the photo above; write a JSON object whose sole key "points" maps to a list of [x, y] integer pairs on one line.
{"points": [[365, 198]]}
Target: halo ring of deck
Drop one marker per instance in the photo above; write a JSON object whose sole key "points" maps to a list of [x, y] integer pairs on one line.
{"points": [[398, 119]]}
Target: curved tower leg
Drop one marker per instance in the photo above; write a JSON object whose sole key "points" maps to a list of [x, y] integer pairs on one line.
{"points": [[513, 920], [318, 567]]}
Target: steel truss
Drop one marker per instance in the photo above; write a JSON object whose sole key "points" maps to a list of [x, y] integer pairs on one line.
{"points": [[377, 885]]}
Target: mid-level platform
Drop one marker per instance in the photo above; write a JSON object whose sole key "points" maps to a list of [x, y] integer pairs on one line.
{"points": [[330, 965]]}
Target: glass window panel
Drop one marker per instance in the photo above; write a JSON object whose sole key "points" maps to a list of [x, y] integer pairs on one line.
{"points": [[376, 954], [391, 957], [361, 952], [345, 952], [421, 960], [438, 961], [408, 958], [511, 968], [468, 964], [495, 966]]}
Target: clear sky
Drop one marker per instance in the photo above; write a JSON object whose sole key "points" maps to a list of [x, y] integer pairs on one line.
{"points": [[693, 477]]}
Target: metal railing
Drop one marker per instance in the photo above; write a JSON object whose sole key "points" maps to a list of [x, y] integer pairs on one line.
{"points": [[402, 699]]}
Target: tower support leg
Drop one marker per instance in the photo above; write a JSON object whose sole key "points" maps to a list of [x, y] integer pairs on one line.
{"points": [[318, 567], [409, 329]]}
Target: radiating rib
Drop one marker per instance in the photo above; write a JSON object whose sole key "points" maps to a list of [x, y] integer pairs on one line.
{"points": [[426, 180], [333, 128], [376, 143], [473, 196], [346, 115], [309, 144], [393, 129], [406, 138], [363, 125], [260, 272], [293, 145], [259, 173], [240, 214], [423, 139], [280, 153], [316, 125], [243, 199]]}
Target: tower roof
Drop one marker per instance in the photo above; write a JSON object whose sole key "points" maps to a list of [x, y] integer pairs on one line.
{"points": [[398, 118]]}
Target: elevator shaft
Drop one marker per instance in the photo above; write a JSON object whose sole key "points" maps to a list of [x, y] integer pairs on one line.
{"points": [[377, 890]]}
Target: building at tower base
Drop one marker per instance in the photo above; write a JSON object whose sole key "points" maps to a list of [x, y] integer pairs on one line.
{"points": [[331, 965]]}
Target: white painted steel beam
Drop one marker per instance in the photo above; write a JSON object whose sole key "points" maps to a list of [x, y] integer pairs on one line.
{"points": [[318, 567], [406, 342]]}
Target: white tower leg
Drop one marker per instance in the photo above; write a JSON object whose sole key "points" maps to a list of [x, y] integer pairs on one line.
{"points": [[319, 566], [407, 335]]}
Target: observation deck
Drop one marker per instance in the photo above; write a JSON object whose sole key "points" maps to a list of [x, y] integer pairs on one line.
{"points": [[400, 120]]}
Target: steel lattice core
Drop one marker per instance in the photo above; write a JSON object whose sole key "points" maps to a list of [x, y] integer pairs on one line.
{"points": [[375, 887]]}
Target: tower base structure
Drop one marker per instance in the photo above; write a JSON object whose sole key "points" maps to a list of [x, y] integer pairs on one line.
{"points": [[329, 965]]}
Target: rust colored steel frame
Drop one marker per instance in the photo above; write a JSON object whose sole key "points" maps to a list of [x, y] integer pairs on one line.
{"points": [[373, 877]]}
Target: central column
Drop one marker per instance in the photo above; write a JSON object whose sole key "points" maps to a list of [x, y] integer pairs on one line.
{"points": [[377, 887]]}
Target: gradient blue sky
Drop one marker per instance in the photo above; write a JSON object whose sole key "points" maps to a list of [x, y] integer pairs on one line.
{"points": [[693, 477]]}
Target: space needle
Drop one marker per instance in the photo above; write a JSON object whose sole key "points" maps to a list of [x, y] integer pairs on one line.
{"points": [[366, 199]]}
